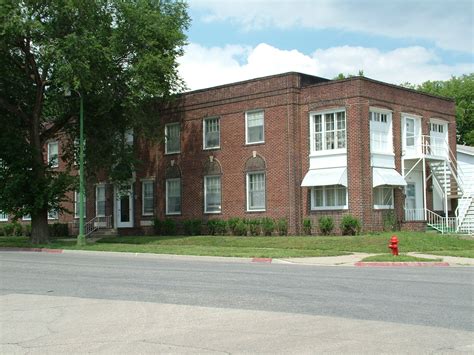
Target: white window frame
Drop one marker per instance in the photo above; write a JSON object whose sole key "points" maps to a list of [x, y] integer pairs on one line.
{"points": [[247, 113], [325, 207], [205, 123], [52, 156], [3, 217], [382, 207], [152, 183], [97, 200], [205, 193], [173, 213], [312, 139], [26, 218], [258, 208], [76, 204], [378, 116], [167, 127]]}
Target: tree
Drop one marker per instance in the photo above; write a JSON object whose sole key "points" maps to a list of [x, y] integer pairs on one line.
{"points": [[118, 55], [342, 76], [461, 89]]}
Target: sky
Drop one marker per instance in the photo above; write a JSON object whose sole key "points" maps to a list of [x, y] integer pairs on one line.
{"points": [[395, 41]]}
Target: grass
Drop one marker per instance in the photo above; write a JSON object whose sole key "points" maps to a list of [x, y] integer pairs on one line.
{"points": [[270, 247], [399, 258]]}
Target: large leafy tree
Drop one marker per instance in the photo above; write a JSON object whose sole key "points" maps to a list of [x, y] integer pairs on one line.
{"points": [[461, 89], [118, 55]]}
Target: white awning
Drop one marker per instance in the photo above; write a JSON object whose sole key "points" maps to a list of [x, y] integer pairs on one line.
{"points": [[325, 177], [388, 177]]}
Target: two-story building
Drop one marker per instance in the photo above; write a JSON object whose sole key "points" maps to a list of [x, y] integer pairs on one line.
{"points": [[292, 146]]}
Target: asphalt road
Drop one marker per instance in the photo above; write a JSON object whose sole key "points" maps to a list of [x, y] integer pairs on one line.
{"points": [[441, 297], [431, 297]]}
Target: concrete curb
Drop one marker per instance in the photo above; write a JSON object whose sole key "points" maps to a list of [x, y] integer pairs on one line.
{"points": [[35, 250], [399, 264]]}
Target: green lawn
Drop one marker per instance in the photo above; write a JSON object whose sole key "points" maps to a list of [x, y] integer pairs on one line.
{"points": [[399, 258], [271, 247]]}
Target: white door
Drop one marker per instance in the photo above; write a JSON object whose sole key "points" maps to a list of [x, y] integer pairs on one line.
{"points": [[124, 207], [413, 209], [439, 138], [412, 136]]}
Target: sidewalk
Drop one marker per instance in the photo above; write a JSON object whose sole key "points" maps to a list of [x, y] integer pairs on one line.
{"points": [[354, 259]]}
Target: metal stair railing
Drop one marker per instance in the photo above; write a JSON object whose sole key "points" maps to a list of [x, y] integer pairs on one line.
{"points": [[440, 223], [98, 222]]}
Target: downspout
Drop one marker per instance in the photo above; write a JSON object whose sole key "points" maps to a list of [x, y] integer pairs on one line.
{"points": [[445, 194], [289, 152]]}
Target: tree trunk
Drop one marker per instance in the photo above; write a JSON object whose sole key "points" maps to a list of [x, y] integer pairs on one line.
{"points": [[39, 227]]}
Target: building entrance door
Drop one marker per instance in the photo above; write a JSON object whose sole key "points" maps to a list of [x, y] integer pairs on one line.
{"points": [[124, 207]]}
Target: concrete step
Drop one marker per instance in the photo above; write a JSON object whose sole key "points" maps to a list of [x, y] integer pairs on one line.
{"points": [[104, 232]]}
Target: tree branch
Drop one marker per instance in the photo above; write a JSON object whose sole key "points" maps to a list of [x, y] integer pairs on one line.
{"points": [[55, 128], [13, 109]]}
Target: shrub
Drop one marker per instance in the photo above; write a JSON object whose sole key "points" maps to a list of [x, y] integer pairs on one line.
{"points": [[27, 230], [254, 226], [1, 230], [326, 225], [169, 227], [268, 226], [307, 226], [58, 230], [216, 226], [389, 221], [9, 229], [158, 226], [192, 227], [232, 224], [17, 229], [350, 225], [282, 226], [240, 228]]}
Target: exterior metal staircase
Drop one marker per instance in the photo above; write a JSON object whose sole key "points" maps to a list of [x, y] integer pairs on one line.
{"points": [[97, 226], [447, 179]]}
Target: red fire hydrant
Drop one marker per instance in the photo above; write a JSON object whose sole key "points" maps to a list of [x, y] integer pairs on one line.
{"points": [[394, 245]]}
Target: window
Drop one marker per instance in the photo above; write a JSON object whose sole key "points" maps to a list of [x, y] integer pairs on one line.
{"points": [[378, 117], [381, 132], [212, 194], [173, 196], [383, 197], [211, 133], [147, 198], [128, 137], [3, 217], [53, 154], [100, 200], [172, 138], [53, 214], [328, 131], [254, 127], [256, 191], [410, 132], [329, 197], [26, 217], [77, 204], [436, 127]]}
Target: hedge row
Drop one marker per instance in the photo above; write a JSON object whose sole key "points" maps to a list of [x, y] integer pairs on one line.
{"points": [[17, 230], [350, 225], [232, 226]]}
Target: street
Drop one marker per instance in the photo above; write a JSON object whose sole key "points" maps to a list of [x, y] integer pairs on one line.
{"points": [[112, 303]]}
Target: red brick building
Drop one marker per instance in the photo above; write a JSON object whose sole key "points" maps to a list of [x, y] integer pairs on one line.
{"points": [[292, 146]]}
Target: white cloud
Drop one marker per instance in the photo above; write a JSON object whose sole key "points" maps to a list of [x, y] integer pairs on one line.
{"points": [[447, 23], [203, 67]]}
